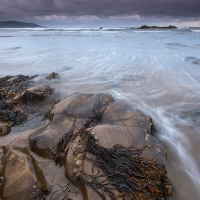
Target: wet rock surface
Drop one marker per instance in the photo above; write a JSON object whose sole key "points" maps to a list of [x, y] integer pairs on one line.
{"points": [[43, 143], [5, 128], [23, 179], [89, 147]]}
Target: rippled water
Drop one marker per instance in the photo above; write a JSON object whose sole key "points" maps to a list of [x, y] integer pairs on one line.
{"points": [[156, 70]]}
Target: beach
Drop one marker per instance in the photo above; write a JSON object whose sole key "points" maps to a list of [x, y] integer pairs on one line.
{"points": [[156, 71]]}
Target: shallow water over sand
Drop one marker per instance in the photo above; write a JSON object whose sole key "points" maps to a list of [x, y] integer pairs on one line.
{"points": [[156, 70]]}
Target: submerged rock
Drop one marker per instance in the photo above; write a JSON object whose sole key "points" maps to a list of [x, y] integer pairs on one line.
{"points": [[193, 60], [192, 117]]}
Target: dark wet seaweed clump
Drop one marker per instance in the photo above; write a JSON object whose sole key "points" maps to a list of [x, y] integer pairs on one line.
{"points": [[122, 172]]}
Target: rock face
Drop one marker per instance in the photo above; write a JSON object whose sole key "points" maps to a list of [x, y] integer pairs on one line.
{"points": [[24, 180]]}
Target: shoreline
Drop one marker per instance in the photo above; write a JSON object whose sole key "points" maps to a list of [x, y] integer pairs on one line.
{"points": [[46, 141]]}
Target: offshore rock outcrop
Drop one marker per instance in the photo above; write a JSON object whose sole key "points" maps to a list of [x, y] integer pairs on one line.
{"points": [[157, 27], [106, 149]]}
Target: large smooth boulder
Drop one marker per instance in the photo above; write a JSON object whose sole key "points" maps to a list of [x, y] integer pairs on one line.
{"points": [[24, 180], [43, 143]]}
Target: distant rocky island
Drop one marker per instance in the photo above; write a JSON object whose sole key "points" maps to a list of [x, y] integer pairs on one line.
{"points": [[155, 27], [16, 24]]}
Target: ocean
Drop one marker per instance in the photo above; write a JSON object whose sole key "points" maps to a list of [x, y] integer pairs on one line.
{"points": [[158, 71]]}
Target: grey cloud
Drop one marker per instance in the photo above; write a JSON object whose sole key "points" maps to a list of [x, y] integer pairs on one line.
{"points": [[102, 8]]}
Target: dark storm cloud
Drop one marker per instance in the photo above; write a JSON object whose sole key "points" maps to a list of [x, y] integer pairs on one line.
{"points": [[101, 8]]}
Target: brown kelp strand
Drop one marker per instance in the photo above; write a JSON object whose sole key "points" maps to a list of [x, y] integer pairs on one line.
{"points": [[42, 194], [60, 152], [95, 120], [129, 173], [54, 192], [122, 172]]}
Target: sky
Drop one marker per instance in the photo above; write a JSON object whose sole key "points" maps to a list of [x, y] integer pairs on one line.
{"points": [[102, 12]]}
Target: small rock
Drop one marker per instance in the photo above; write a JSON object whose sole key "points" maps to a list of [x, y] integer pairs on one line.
{"points": [[53, 75], [5, 128]]}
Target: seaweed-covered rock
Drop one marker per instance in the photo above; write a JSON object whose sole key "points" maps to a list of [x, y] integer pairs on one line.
{"points": [[121, 125], [24, 179], [10, 86], [34, 94], [15, 93]]}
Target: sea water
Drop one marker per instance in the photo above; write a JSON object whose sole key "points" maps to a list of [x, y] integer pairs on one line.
{"points": [[157, 71]]}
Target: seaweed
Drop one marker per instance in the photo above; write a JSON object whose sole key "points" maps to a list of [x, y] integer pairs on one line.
{"points": [[60, 152], [42, 194], [11, 86], [9, 114], [122, 172]]}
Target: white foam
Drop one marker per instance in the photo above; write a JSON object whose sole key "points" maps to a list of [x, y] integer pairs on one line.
{"points": [[197, 31]]}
